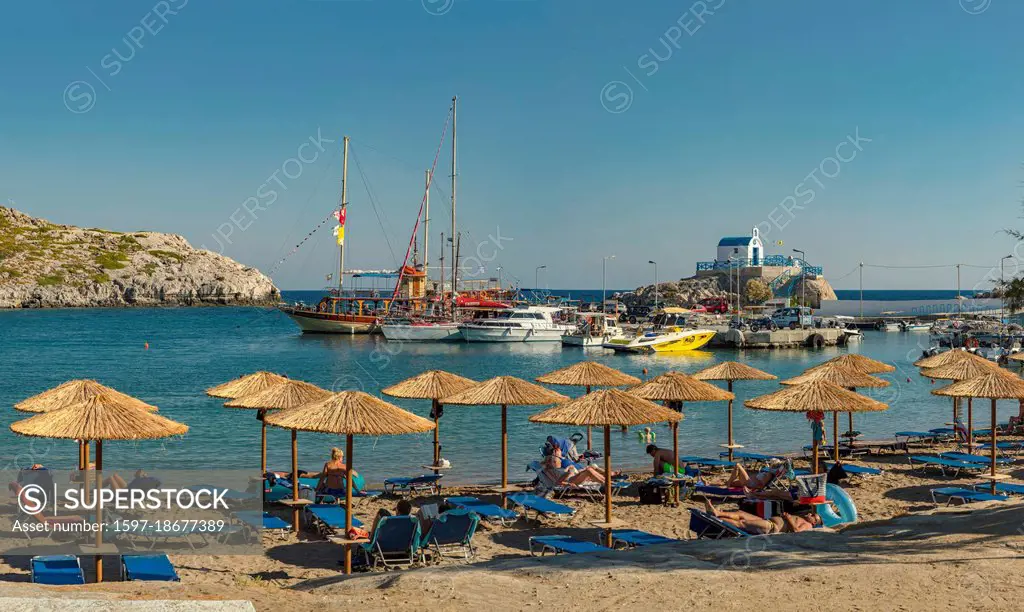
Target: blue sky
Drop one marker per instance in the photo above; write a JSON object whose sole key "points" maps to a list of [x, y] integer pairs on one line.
{"points": [[746, 100]]}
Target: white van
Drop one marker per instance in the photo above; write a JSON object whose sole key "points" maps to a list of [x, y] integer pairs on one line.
{"points": [[793, 318]]}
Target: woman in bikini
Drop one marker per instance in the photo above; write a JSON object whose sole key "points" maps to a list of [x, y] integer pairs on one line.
{"points": [[570, 475], [751, 523], [333, 477]]}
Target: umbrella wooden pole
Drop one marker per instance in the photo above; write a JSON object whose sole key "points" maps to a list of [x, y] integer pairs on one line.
{"points": [[970, 425], [675, 460], [815, 467], [295, 480], [730, 423], [850, 414], [835, 436], [504, 452], [994, 448], [99, 510], [590, 443], [263, 442], [608, 484], [348, 501], [81, 455], [437, 439]]}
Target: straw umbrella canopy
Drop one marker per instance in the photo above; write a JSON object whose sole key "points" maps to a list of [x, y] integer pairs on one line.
{"points": [[859, 363], [963, 368], [588, 374], [994, 386], [350, 413], [815, 396], [74, 392], [106, 416], [249, 385], [842, 376], [281, 395], [731, 371], [505, 391], [946, 358], [432, 385], [676, 388], [606, 408]]}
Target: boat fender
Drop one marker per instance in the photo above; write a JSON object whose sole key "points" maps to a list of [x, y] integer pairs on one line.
{"points": [[322, 306], [817, 340], [971, 343], [847, 511]]}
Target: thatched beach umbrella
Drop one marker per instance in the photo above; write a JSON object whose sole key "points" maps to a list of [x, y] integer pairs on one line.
{"points": [[994, 386], [432, 385], [106, 416], [282, 396], [248, 385], [816, 396], [731, 371], [75, 392], [964, 369], [946, 358], [505, 391], [676, 388], [350, 413], [860, 363], [844, 377], [606, 408], [588, 374]]}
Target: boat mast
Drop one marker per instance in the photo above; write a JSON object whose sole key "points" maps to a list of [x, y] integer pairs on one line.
{"points": [[344, 206], [441, 292], [426, 227], [455, 100]]}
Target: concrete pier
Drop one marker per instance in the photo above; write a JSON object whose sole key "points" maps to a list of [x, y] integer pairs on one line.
{"points": [[783, 338]]}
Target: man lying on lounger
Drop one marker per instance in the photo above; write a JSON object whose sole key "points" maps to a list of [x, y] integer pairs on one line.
{"points": [[751, 523], [570, 475]]}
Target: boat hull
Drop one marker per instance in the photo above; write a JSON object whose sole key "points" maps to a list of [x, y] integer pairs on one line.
{"points": [[327, 323], [421, 333], [585, 341], [510, 334], [674, 342]]}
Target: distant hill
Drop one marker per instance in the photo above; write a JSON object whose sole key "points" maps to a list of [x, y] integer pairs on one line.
{"points": [[44, 265]]}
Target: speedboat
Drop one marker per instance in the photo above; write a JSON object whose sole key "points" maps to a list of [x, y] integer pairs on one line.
{"points": [[522, 324], [888, 325], [668, 335], [421, 331], [916, 326], [593, 329]]}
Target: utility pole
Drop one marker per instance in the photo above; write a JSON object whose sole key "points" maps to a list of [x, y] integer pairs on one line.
{"points": [[803, 277], [959, 305], [862, 290], [655, 282]]}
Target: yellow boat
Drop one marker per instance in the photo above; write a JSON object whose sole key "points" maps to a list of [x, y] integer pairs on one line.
{"points": [[667, 335]]}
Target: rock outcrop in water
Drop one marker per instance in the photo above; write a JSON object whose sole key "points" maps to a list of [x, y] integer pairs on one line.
{"points": [[43, 265]]}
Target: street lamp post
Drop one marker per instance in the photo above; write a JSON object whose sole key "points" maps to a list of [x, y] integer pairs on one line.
{"points": [[604, 269], [655, 282], [536, 277], [803, 277]]}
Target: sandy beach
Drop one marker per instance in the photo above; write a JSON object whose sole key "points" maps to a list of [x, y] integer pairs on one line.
{"points": [[905, 553]]}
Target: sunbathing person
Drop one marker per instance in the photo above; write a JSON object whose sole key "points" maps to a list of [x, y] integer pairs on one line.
{"points": [[751, 523], [333, 477], [403, 508], [570, 475]]}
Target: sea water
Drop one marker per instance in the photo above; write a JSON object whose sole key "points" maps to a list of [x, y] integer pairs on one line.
{"points": [[191, 349]]}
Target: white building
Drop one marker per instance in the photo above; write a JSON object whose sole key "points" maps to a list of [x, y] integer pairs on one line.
{"points": [[747, 249]]}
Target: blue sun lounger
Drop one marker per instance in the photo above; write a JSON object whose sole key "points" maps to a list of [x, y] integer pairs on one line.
{"points": [[715, 492], [540, 506], [632, 538], [944, 465], [1011, 446], [148, 567], [452, 531], [965, 496], [919, 435], [705, 462], [745, 457], [57, 569], [488, 512], [707, 527], [425, 482], [329, 519], [395, 541], [256, 520], [975, 458], [856, 470], [562, 544], [1007, 488]]}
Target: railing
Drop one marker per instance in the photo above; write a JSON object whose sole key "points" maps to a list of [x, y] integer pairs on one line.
{"points": [[771, 260]]}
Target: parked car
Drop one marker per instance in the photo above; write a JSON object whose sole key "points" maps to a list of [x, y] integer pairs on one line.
{"points": [[793, 318], [636, 313], [715, 305]]}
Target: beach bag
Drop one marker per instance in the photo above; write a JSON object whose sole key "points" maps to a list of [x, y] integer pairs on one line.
{"points": [[811, 488], [651, 493]]}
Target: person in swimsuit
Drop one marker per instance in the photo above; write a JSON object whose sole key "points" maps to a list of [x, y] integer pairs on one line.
{"points": [[570, 475], [333, 477], [751, 523]]}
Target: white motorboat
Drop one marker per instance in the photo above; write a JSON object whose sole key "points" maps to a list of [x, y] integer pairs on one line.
{"points": [[523, 324], [422, 331], [888, 325], [916, 326], [593, 329]]}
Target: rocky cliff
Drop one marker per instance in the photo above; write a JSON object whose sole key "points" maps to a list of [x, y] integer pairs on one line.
{"points": [[689, 291], [43, 265]]}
